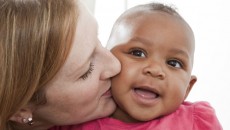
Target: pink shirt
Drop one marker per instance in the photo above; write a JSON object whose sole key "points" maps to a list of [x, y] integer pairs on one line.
{"points": [[189, 116]]}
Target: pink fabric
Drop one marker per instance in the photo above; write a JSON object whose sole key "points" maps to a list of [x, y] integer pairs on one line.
{"points": [[189, 116]]}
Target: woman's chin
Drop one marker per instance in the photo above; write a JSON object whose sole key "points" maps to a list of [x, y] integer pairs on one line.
{"points": [[108, 108]]}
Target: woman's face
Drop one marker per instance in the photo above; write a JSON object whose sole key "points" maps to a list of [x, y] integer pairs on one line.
{"points": [[81, 89]]}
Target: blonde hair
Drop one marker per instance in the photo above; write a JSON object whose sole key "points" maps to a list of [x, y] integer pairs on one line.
{"points": [[35, 39]]}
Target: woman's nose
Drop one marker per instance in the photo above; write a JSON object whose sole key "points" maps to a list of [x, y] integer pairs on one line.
{"points": [[155, 70], [111, 64]]}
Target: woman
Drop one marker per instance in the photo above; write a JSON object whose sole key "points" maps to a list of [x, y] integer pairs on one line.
{"points": [[53, 68]]}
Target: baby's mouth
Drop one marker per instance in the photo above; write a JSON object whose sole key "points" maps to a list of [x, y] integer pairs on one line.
{"points": [[146, 93]]}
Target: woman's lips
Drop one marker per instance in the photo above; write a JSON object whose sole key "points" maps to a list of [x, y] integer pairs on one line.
{"points": [[107, 93]]}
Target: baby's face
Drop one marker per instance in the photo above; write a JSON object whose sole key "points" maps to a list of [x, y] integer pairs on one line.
{"points": [[156, 55]]}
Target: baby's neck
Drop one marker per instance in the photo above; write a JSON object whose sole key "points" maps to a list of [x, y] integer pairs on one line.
{"points": [[123, 116]]}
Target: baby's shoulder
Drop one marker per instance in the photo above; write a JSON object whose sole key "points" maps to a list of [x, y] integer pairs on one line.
{"points": [[196, 106], [201, 109], [203, 115]]}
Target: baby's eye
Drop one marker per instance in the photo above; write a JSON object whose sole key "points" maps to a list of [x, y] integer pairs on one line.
{"points": [[137, 52], [175, 63]]}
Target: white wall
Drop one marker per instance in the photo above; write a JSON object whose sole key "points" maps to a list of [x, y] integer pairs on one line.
{"points": [[90, 5], [210, 20]]}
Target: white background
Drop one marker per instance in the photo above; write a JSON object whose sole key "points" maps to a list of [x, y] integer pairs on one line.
{"points": [[210, 20]]}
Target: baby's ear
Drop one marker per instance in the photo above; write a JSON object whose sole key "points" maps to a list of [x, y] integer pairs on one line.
{"points": [[192, 81], [21, 115]]}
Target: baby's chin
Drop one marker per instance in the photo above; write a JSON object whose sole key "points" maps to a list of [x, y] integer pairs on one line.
{"points": [[139, 118], [143, 119]]}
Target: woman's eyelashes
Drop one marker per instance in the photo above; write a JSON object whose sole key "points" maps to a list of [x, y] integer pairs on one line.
{"points": [[88, 72], [137, 52]]}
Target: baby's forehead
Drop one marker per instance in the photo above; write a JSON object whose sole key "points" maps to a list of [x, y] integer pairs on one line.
{"points": [[141, 15], [135, 14], [136, 17], [152, 7]]}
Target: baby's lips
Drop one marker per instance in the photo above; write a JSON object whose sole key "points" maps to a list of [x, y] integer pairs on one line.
{"points": [[147, 94]]}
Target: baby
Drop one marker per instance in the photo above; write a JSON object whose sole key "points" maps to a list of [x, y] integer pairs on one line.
{"points": [[155, 46]]}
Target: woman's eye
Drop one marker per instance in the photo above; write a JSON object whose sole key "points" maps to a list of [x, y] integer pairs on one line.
{"points": [[138, 53], [88, 72], [175, 63]]}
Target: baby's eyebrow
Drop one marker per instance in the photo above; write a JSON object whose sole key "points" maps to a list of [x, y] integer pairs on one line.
{"points": [[142, 40], [177, 51]]}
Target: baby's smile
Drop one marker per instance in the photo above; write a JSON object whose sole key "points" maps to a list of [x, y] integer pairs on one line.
{"points": [[145, 95]]}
